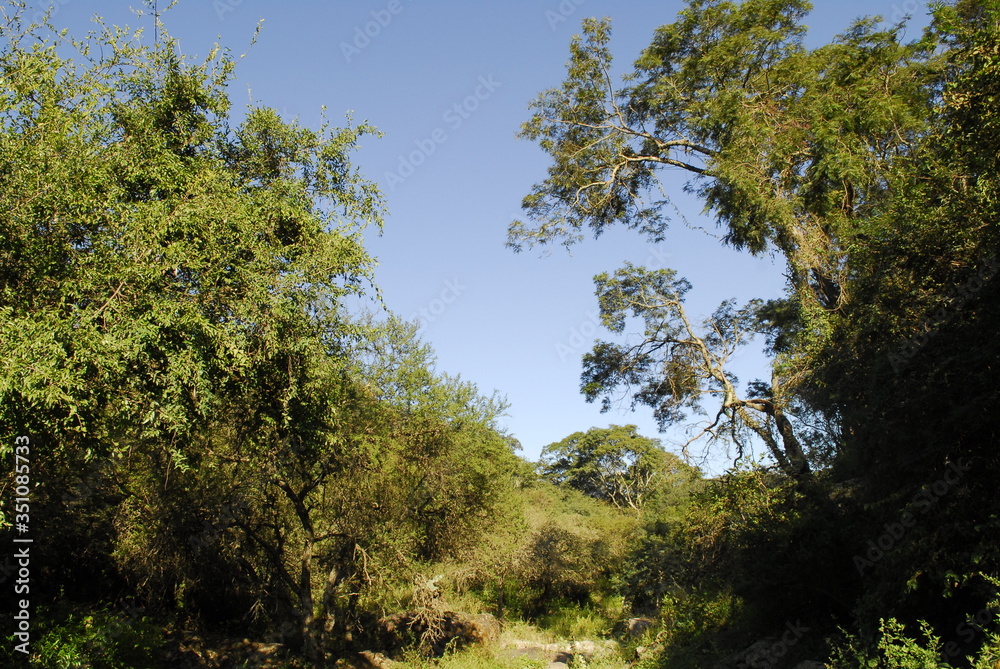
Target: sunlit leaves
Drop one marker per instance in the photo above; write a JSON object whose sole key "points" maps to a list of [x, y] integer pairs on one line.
{"points": [[164, 254]]}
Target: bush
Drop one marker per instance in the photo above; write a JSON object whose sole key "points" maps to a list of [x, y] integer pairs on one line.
{"points": [[100, 639], [593, 621], [893, 649], [567, 551]]}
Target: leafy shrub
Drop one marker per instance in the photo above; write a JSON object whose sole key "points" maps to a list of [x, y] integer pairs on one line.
{"points": [[567, 551], [101, 639], [689, 616], [593, 621], [892, 650]]}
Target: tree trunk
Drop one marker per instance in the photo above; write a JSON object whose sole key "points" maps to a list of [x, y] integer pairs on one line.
{"points": [[311, 645], [793, 449], [792, 459]]}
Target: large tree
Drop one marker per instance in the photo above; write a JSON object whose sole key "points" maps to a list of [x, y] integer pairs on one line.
{"points": [[153, 256], [787, 146]]}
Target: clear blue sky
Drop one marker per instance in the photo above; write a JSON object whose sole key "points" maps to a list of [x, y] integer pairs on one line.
{"points": [[517, 323]]}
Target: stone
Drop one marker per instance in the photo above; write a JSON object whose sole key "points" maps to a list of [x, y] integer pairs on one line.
{"points": [[457, 630], [636, 627]]}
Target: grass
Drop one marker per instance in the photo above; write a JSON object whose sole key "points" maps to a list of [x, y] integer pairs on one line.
{"points": [[479, 657], [562, 627]]}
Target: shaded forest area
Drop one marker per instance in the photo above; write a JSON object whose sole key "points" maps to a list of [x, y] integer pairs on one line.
{"points": [[220, 465]]}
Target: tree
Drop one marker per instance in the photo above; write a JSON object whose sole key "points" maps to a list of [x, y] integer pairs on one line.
{"points": [[910, 364], [677, 366], [340, 485], [788, 147], [784, 144], [152, 256], [170, 281], [616, 465], [926, 276]]}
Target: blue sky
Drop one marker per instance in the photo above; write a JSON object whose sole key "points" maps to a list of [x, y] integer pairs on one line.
{"points": [[448, 84]]}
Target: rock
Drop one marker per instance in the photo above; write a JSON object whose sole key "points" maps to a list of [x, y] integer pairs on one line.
{"points": [[366, 659], [810, 664], [487, 628], [456, 629], [376, 660], [567, 653], [636, 627]]}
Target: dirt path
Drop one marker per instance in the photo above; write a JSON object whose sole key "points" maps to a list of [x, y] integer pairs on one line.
{"points": [[558, 655]]}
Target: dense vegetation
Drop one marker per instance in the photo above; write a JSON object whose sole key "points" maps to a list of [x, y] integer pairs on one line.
{"points": [[220, 449]]}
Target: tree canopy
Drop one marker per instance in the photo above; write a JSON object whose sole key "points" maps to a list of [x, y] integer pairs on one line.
{"points": [[615, 464]]}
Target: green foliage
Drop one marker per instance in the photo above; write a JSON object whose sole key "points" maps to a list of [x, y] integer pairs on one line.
{"points": [[705, 545], [565, 553], [894, 650], [973, 642], [177, 256], [576, 622], [98, 639], [615, 465], [174, 341], [908, 365], [688, 618]]}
